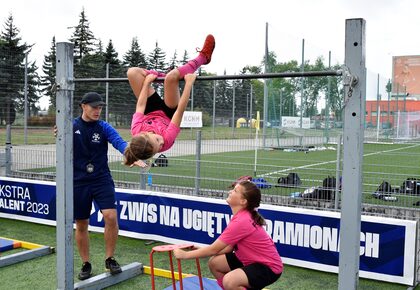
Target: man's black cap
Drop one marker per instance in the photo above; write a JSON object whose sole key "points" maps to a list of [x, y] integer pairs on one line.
{"points": [[93, 99]]}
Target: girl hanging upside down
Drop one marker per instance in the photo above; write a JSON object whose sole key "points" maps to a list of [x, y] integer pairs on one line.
{"points": [[156, 122]]}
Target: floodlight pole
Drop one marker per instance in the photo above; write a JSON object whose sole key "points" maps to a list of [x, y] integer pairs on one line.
{"points": [[354, 114], [64, 178]]}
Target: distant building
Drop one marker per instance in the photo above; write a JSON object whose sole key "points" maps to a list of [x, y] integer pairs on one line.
{"points": [[389, 111], [406, 75], [403, 107]]}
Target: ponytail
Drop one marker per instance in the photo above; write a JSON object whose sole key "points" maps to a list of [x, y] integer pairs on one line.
{"points": [[138, 149], [258, 219], [253, 196]]}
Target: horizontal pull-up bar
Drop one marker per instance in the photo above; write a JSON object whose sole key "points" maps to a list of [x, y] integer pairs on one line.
{"points": [[232, 77]]}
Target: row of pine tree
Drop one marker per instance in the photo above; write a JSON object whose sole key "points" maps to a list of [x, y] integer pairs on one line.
{"points": [[91, 60]]}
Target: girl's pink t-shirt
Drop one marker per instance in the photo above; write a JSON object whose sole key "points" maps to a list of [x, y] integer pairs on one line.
{"points": [[251, 242], [158, 123]]}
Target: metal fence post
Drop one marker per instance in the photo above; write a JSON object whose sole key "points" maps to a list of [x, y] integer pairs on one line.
{"points": [[302, 86], [8, 150], [250, 112], [197, 162], [265, 100], [354, 115], [337, 172], [327, 101], [233, 110], [25, 112], [214, 107], [64, 179], [143, 177], [107, 94]]}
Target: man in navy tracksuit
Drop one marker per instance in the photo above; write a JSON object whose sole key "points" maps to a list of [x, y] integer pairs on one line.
{"points": [[93, 180]]}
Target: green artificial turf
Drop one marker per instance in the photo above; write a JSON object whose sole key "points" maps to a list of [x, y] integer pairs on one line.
{"points": [[40, 273]]}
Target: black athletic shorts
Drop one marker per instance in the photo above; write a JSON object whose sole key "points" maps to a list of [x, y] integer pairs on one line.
{"points": [[102, 192], [259, 275], [156, 103]]}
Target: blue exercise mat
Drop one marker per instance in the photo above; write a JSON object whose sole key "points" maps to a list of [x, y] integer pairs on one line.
{"points": [[6, 245], [193, 283]]}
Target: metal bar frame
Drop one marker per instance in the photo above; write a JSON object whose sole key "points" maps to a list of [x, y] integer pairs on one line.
{"points": [[352, 162], [25, 255], [105, 280], [230, 77]]}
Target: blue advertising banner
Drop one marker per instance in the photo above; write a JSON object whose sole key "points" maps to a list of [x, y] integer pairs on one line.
{"points": [[305, 238]]}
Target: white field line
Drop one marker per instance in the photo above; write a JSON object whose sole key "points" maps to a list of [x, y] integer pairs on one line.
{"points": [[333, 161]]}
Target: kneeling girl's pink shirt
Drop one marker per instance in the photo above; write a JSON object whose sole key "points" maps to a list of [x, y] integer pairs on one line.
{"points": [[251, 242], [158, 123]]}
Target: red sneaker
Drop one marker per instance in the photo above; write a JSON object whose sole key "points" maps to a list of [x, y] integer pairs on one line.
{"points": [[208, 48]]}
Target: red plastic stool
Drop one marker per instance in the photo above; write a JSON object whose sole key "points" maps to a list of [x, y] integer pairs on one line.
{"points": [[169, 248]]}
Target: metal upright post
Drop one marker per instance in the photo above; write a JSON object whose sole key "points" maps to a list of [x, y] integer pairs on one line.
{"points": [[214, 107], [371, 113], [378, 99], [192, 109], [233, 111], [247, 107], [337, 172], [281, 108], [354, 112], [250, 110], [327, 103], [302, 69], [265, 104], [197, 162], [389, 100], [64, 179], [107, 94], [25, 114], [8, 149], [292, 105], [143, 180]]}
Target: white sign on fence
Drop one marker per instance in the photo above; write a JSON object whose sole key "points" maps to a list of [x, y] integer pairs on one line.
{"points": [[192, 120], [294, 122]]}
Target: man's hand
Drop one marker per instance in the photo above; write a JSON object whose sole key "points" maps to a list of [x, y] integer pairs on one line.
{"points": [[144, 165], [55, 130]]}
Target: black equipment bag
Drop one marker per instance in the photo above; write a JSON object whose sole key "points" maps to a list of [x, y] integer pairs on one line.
{"points": [[291, 180], [161, 161]]}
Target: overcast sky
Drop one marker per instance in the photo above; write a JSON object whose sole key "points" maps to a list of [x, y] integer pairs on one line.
{"points": [[239, 28]]}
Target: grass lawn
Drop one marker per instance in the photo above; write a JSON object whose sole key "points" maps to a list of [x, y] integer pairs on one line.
{"points": [[40, 273]]}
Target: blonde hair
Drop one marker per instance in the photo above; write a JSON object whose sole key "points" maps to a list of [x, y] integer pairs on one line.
{"points": [[138, 149]]}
